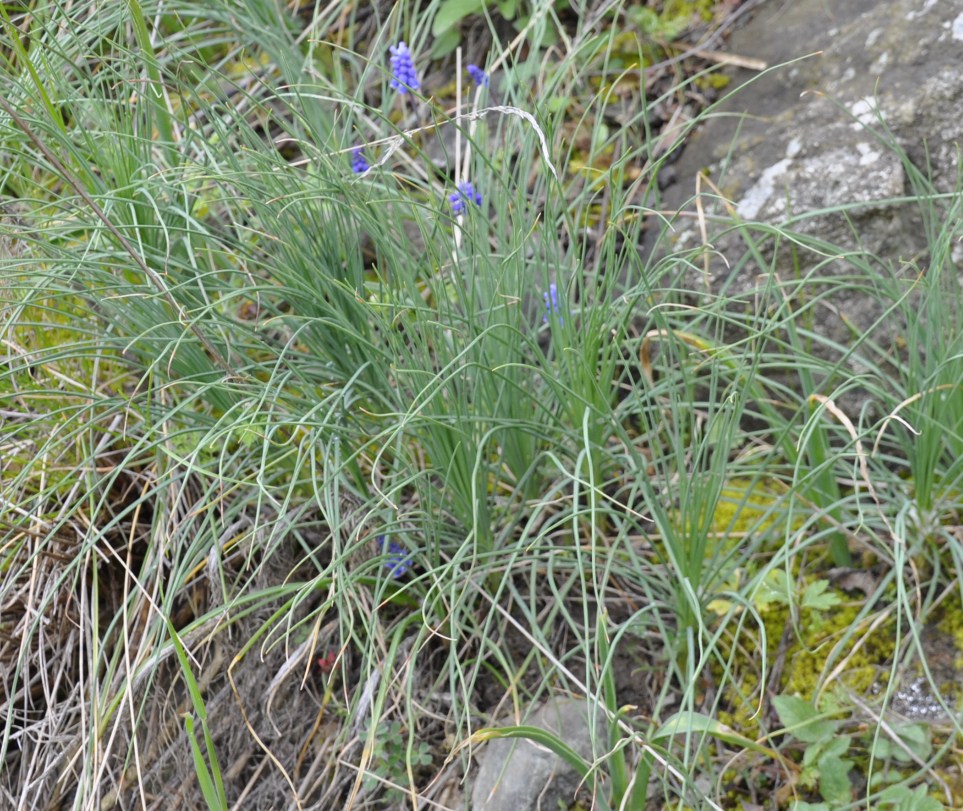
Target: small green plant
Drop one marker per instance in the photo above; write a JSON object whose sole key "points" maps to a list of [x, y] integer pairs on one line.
{"points": [[904, 743], [903, 798], [824, 765], [830, 755], [206, 764], [394, 756]]}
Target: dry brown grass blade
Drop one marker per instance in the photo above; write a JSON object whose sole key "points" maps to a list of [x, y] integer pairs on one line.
{"points": [[847, 423], [645, 349], [894, 414]]}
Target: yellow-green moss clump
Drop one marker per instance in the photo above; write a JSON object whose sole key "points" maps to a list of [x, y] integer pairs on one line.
{"points": [[861, 667], [812, 652], [746, 506], [713, 81], [686, 9], [807, 650], [952, 623]]}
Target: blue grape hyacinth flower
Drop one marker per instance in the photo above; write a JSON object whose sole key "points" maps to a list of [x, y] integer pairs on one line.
{"points": [[359, 164], [404, 77], [478, 76], [550, 297], [466, 194], [398, 561]]}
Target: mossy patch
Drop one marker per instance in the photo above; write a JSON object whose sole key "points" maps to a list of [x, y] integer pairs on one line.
{"points": [[825, 647], [747, 506], [951, 623]]}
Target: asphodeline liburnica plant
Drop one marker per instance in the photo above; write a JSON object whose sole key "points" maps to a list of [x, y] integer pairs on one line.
{"points": [[397, 558], [404, 77], [359, 164], [465, 194], [550, 297], [477, 75]]}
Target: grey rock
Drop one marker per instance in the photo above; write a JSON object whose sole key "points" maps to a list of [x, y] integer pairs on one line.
{"points": [[518, 775], [933, 697], [809, 136]]}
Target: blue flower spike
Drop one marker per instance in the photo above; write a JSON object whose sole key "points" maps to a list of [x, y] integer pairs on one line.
{"points": [[466, 194], [404, 77], [550, 297], [397, 559], [359, 165], [477, 75]]}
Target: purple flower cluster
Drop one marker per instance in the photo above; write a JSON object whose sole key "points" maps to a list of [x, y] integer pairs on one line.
{"points": [[550, 297], [404, 77], [397, 561], [478, 76], [466, 194], [359, 164]]}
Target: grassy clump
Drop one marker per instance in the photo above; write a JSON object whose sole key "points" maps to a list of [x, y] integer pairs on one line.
{"points": [[344, 463]]}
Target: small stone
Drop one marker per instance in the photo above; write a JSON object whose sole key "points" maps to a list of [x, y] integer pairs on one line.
{"points": [[517, 774]]}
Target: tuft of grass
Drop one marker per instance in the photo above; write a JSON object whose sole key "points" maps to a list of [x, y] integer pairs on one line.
{"points": [[241, 381]]}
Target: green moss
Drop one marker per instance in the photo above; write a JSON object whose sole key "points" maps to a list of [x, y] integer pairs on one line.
{"points": [[807, 658], [713, 81], [673, 19], [746, 506], [60, 376], [686, 9], [753, 508], [951, 623], [809, 662]]}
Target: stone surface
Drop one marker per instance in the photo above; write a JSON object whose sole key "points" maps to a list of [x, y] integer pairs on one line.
{"points": [[922, 697], [810, 135], [518, 775]]}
